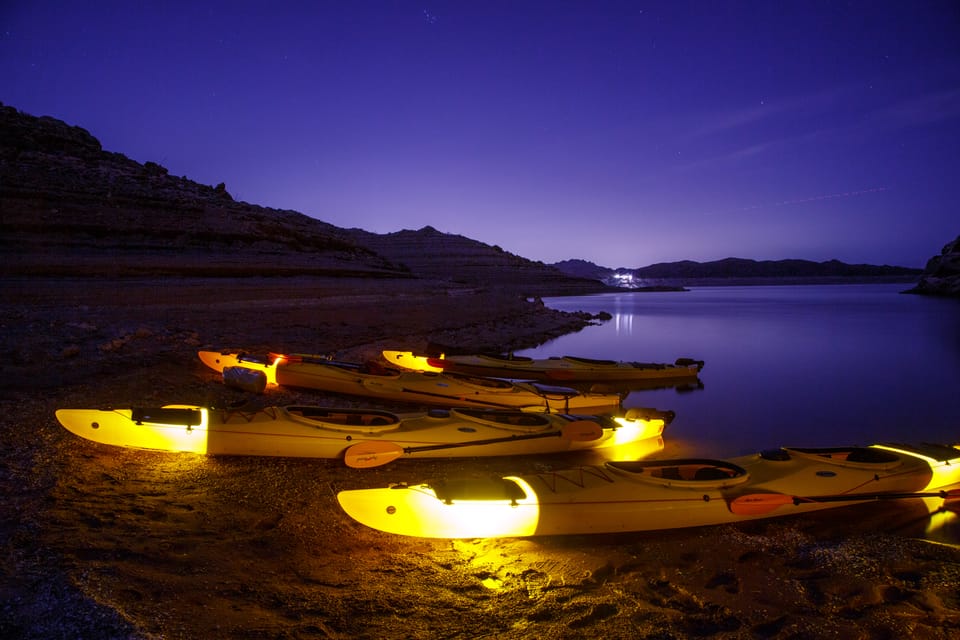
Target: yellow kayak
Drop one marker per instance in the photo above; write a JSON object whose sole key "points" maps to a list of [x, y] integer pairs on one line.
{"points": [[363, 438], [442, 389], [566, 369], [661, 494]]}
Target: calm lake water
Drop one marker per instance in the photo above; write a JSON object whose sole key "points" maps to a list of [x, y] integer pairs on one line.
{"points": [[799, 365]]}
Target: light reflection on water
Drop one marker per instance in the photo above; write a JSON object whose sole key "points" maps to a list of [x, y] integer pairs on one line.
{"points": [[790, 365]]}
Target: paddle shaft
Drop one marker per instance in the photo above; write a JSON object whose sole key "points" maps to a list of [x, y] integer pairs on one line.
{"points": [[471, 443], [376, 453], [878, 496], [760, 503]]}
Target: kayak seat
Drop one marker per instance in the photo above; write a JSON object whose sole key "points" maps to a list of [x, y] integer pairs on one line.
{"points": [[670, 473], [506, 419], [710, 473]]}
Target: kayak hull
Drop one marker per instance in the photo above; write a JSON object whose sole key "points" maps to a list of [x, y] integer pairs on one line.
{"points": [[650, 495], [567, 369], [319, 432]]}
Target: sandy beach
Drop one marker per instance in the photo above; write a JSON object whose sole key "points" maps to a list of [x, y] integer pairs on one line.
{"points": [[109, 543]]}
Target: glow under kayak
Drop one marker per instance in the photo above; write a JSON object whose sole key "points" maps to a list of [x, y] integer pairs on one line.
{"points": [[558, 369], [651, 495], [364, 438], [449, 390]]}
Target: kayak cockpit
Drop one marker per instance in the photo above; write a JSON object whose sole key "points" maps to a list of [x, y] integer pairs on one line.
{"points": [[688, 472], [857, 457], [359, 421], [591, 361], [505, 419]]}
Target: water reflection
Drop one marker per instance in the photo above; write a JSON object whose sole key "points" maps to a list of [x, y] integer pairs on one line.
{"points": [[623, 322], [800, 365]]}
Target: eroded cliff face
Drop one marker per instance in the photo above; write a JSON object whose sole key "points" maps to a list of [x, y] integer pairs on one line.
{"points": [[941, 277], [72, 208]]}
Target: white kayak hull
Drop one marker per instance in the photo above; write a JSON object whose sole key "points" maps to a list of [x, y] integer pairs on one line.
{"points": [[320, 432], [644, 496]]}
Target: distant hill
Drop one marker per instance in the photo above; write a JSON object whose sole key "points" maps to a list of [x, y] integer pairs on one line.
{"points": [[744, 268], [687, 272], [584, 269], [430, 253], [71, 208]]}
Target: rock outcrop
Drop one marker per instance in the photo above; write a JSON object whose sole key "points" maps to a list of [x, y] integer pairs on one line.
{"points": [[941, 277]]}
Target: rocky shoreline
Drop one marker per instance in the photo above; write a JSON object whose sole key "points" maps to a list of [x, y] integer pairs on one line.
{"points": [[99, 542], [941, 276]]}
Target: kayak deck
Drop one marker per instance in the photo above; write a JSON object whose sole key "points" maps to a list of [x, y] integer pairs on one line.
{"points": [[565, 368]]}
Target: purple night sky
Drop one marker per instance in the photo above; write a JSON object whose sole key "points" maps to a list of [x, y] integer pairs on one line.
{"points": [[624, 133]]}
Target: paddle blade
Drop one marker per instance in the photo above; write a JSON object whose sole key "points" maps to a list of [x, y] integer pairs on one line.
{"points": [[757, 504], [372, 453], [582, 431]]}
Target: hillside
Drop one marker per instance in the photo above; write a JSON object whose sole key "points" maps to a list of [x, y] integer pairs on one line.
{"points": [[430, 253], [70, 207]]}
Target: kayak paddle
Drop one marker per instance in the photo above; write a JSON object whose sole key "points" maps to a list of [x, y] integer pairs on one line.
{"points": [[376, 453], [754, 504]]}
